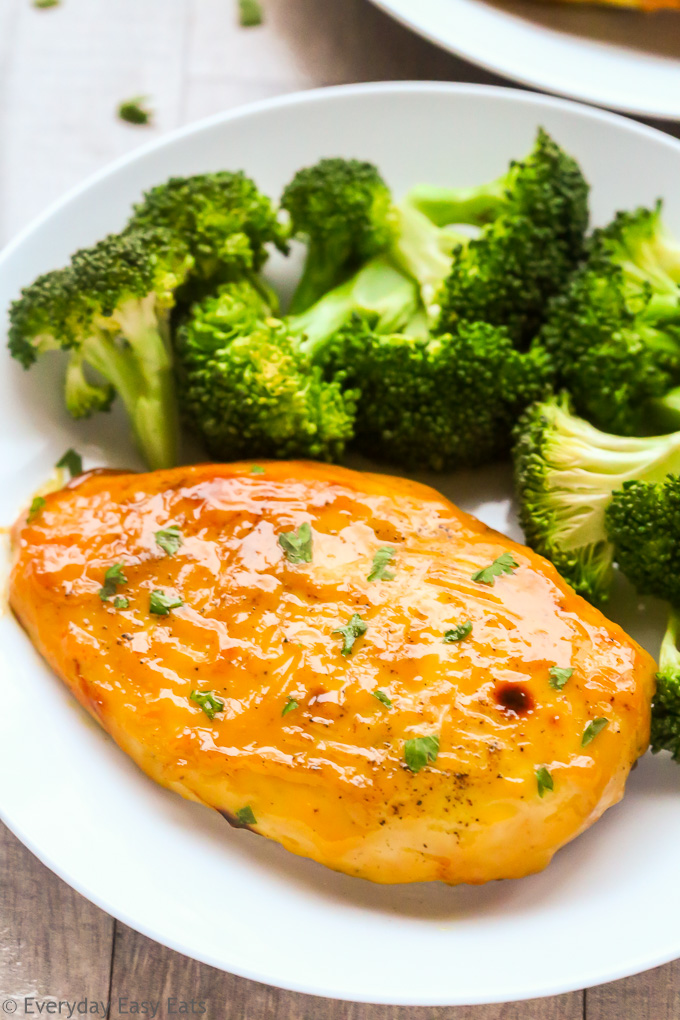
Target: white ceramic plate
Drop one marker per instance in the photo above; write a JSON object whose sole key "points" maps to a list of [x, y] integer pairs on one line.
{"points": [[607, 906], [623, 59]]}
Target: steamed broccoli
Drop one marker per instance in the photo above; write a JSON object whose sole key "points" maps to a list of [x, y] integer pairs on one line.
{"points": [[342, 208], [222, 218], [643, 523], [248, 390], [344, 211], [110, 310], [566, 471], [615, 331], [437, 403], [533, 222]]}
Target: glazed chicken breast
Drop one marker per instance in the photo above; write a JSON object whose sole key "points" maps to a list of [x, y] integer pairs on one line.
{"points": [[343, 662]]}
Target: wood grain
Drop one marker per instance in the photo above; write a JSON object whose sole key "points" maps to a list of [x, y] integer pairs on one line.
{"points": [[62, 73]]}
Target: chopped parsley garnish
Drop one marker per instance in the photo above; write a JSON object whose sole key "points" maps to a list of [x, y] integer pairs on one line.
{"points": [[379, 571], [458, 633], [112, 578], [44, 4], [419, 751], [36, 506], [120, 602], [250, 13], [210, 704], [245, 816], [256, 469], [503, 564], [594, 727], [160, 604], [559, 676], [290, 706], [134, 111], [297, 545], [169, 539], [544, 780], [382, 698], [72, 461], [352, 630]]}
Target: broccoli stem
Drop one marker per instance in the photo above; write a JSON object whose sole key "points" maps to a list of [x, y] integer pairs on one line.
{"points": [[142, 375], [318, 277], [379, 289], [424, 252], [443, 206], [665, 412]]}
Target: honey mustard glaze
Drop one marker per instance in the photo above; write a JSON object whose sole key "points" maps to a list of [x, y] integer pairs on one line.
{"points": [[215, 659]]}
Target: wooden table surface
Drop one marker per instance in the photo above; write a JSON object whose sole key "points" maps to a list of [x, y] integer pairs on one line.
{"points": [[62, 73]]}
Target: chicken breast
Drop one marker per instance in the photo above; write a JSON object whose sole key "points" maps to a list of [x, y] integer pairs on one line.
{"points": [[343, 662]]}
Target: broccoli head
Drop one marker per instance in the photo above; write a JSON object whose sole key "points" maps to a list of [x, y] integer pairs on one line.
{"points": [[342, 209], [222, 218], [566, 472], [438, 403], [615, 331], [247, 389], [110, 310], [533, 221]]}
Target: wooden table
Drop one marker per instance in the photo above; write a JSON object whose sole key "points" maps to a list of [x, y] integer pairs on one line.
{"points": [[62, 73]]}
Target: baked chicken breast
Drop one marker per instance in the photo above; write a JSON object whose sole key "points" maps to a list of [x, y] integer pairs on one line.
{"points": [[343, 662]]}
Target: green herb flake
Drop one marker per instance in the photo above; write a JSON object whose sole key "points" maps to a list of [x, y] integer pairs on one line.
{"points": [[382, 557], [245, 816], [559, 676], [134, 111], [36, 506], [419, 751], [72, 461], [382, 698], [250, 13], [504, 564], [594, 727], [120, 602], [297, 545], [352, 630], [114, 576], [169, 539], [458, 633], [210, 704], [160, 604], [544, 780], [42, 5], [256, 469], [290, 706]]}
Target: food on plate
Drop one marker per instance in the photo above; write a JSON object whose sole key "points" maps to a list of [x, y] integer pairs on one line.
{"points": [[343, 662], [566, 474], [614, 332], [643, 5]]}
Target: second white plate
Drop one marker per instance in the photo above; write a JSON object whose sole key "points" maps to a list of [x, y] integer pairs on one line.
{"points": [[626, 60]]}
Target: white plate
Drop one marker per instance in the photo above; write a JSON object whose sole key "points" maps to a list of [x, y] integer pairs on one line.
{"points": [[608, 905], [626, 60]]}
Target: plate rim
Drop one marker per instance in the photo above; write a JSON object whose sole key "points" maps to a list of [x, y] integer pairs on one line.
{"points": [[507, 94], [472, 55]]}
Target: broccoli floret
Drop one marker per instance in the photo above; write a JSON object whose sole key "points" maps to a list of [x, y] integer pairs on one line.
{"points": [[342, 209], [438, 403], [222, 218], [665, 735], [615, 331], [247, 389], [533, 224], [643, 523], [110, 310], [566, 471]]}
